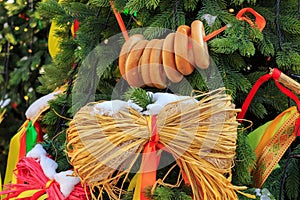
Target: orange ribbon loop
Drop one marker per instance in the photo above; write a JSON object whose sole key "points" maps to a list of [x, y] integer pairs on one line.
{"points": [[260, 21]]}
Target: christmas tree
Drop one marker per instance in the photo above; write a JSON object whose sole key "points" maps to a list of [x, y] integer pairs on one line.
{"points": [[86, 66]]}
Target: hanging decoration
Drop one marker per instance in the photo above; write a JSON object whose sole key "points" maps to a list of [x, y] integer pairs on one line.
{"points": [[105, 140], [37, 177], [152, 63], [28, 135], [271, 140], [54, 41]]}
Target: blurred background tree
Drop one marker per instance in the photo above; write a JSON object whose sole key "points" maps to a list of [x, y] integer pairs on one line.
{"points": [[24, 50]]}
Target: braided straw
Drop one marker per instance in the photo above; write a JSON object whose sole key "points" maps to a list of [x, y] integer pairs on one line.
{"points": [[201, 137]]}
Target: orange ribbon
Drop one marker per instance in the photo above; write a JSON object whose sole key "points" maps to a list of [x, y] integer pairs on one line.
{"points": [[120, 21], [260, 21], [150, 160]]}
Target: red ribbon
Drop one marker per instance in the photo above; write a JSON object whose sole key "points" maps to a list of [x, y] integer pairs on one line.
{"points": [[75, 26], [39, 131], [275, 75], [30, 172]]}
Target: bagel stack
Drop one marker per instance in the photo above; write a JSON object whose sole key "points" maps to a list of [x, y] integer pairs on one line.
{"points": [[152, 63]]}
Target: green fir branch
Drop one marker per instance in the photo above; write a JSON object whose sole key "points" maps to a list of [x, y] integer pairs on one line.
{"points": [[99, 3], [292, 184], [190, 5], [51, 9], [245, 160], [138, 96]]}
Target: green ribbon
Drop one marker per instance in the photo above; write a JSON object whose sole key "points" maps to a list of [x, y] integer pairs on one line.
{"points": [[127, 12], [40, 24], [31, 136]]}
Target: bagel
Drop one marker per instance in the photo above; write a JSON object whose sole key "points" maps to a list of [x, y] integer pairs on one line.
{"points": [[200, 51], [168, 57], [183, 60], [144, 64], [133, 77], [125, 51], [157, 73]]}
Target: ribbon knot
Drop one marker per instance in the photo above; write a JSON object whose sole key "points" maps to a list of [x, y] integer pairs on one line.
{"points": [[153, 130], [150, 161], [276, 74]]}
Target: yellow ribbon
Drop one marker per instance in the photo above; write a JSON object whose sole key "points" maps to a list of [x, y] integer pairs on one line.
{"points": [[270, 142], [137, 191], [30, 193], [49, 183], [13, 155], [53, 40], [26, 194], [132, 183], [43, 197], [2, 115], [273, 128]]}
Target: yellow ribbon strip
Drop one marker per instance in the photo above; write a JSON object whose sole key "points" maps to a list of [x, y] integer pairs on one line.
{"points": [[43, 197], [13, 155], [132, 183], [137, 191], [26, 194], [2, 115], [273, 128], [280, 138], [49, 183]]}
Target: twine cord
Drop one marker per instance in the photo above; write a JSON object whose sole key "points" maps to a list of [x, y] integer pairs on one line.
{"points": [[277, 24], [68, 92]]}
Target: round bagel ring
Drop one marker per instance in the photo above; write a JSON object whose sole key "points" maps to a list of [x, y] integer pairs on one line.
{"points": [[133, 77], [144, 64], [125, 51], [184, 62], [168, 57], [157, 73], [199, 47]]}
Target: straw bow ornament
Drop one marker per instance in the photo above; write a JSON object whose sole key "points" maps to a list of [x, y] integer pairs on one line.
{"points": [[106, 139]]}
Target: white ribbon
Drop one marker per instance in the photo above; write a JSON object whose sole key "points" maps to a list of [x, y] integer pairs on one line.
{"points": [[40, 104]]}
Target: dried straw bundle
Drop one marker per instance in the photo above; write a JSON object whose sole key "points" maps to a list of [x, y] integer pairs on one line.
{"points": [[201, 137]]}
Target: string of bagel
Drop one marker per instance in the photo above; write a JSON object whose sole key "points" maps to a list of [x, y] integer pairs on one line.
{"points": [[152, 62]]}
